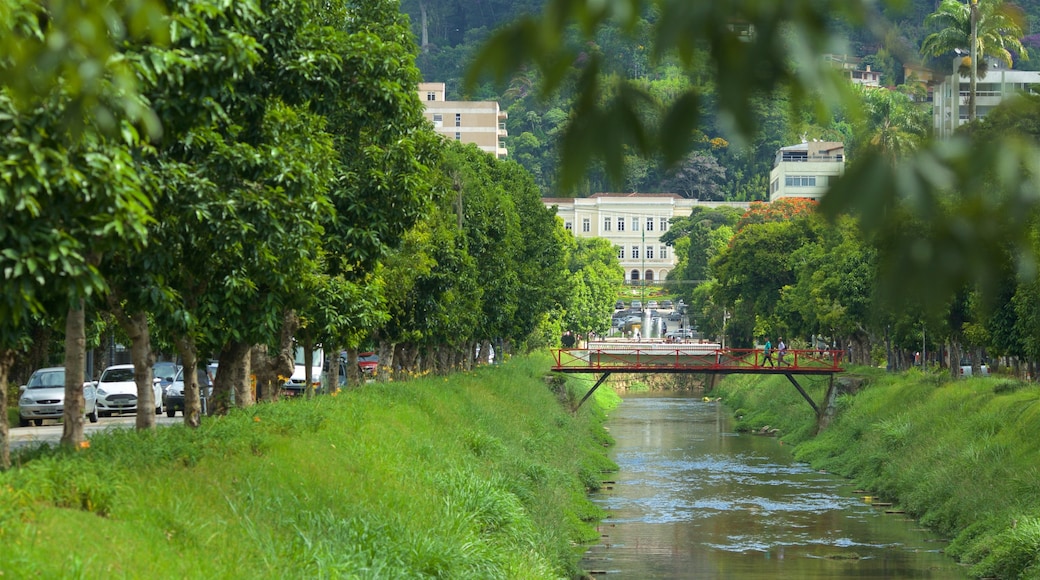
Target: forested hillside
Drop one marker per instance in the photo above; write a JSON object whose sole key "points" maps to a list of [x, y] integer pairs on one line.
{"points": [[449, 32]]}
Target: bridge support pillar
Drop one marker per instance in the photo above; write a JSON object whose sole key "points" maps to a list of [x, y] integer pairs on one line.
{"points": [[599, 382], [805, 395]]}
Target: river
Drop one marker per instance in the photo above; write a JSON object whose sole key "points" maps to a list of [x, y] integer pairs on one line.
{"points": [[694, 499]]}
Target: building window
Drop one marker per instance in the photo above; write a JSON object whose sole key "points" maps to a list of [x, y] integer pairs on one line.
{"points": [[635, 275], [664, 224], [664, 252], [800, 181], [586, 225], [649, 252], [621, 252], [635, 252], [431, 96], [458, 119], [606, 224], [458, 136], [621, 224], [649, 275], [649, 224], [635, 224], [567, 226], [438, 120]]}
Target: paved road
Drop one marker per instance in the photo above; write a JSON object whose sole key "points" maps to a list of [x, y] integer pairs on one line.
{"points": [[50, 432]]}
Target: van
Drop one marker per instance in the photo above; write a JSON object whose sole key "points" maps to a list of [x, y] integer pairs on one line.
{"points": [[297, 383]]}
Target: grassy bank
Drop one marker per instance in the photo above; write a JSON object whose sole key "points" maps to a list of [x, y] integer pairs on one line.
{"points": [[479, 475], [961, 456]]}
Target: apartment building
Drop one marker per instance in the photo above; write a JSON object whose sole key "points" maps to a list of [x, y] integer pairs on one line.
{"points": [[950, 96], [805, 170], [634, 223], [479, 122]]}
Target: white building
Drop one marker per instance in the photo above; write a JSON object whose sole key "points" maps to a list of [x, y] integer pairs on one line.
{"points": [[853, 69], [479, 122], [950, 110], [634, 223], [805, 170]]}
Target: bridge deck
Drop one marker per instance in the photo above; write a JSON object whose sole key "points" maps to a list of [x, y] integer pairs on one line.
{"points": [[710, 358]]}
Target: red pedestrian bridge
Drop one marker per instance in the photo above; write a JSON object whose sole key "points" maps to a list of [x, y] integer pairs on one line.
{"points": [[608, 357]]}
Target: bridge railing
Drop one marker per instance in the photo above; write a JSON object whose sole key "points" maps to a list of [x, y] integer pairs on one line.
{"points": [[693, 357]]}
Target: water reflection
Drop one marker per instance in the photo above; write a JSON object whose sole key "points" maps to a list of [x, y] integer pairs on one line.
{"points": [[694, 500]]}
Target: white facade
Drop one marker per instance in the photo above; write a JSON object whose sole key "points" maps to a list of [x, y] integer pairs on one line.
{"points": [[805, 170], [950, 110], [634, 223], [479, 122]]}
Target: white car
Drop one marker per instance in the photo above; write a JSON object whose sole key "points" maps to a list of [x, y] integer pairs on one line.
{"points": [[117, 391], [43, 397]]}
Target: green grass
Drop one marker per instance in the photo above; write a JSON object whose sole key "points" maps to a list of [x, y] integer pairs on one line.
{"points": [[478, 475], [961, 456]]}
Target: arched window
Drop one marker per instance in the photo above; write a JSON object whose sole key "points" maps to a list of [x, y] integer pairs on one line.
{"points": [[649, 275], [635, 275]]}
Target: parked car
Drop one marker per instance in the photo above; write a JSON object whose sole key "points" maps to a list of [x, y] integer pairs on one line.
{"points": [[367, 362], [173, 395], [619, 305], [966, 369], [165, 371], [652, 305], [667, 305], [684, 334], [43, 397], [637, 305], [117, 391]]}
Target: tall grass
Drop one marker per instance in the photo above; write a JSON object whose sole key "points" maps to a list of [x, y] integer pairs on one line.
{"points": [[478, 475], [961, 456]]}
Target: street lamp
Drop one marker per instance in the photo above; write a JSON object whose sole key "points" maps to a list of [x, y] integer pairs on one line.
{"points": [[642, 267]]}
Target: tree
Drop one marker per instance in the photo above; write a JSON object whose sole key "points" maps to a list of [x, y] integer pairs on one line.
{"points": [[983, 28], [698, 177], [596, 277], [893, 124]]}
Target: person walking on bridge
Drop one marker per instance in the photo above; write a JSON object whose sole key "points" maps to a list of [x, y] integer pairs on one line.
{"points": [[768, 350], [781, 350]]}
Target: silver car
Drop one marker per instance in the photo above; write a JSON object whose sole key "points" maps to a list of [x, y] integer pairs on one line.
{"points": [[43, 397]]}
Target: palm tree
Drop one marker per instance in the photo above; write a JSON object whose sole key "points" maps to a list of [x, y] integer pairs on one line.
{"points": [[894, 125], [982, 27]]}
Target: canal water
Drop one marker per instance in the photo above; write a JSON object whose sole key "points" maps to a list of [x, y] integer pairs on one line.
{"points": [[694, 499]]}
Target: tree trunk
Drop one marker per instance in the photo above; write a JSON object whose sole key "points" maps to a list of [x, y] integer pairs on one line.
{"points": [[425, 27], [135, 326], [384, 372], [7, 358], [354, 376], [192, 398], [333, 377], [231, 381], [273, 371], [308, 368], [75, 363]]}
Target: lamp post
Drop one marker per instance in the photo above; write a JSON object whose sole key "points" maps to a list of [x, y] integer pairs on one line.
{"points": [[974, 39], [642, 267]]}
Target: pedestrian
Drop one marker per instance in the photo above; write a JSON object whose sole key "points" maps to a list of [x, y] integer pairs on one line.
{"points": [[637, 335], [769, 354], [781, 350], [568, 339]]}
